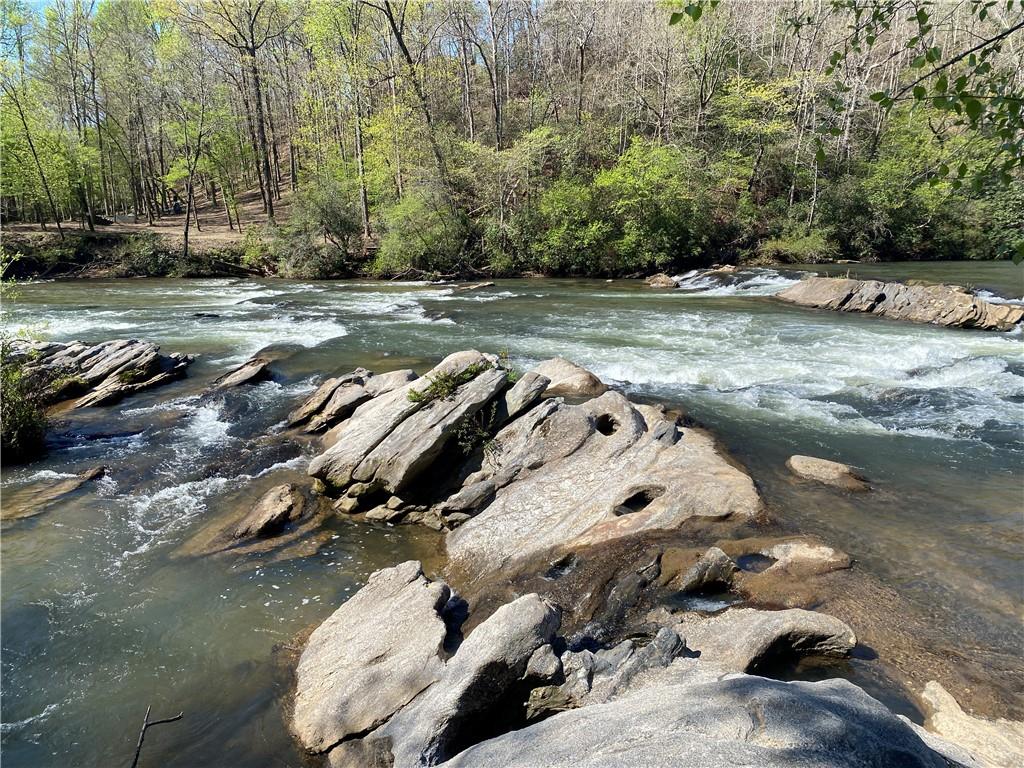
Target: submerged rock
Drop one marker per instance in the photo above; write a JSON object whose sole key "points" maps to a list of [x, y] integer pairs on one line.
{"points": [[371, 657], [746, 639], [98, 374], [995, 743], [252, 370], [568, 379], [693, 715], [947, 305], [39, 497], [828, 472], [278, 506]]}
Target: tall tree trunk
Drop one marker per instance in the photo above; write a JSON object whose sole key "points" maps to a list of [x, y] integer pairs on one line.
{"points": [[35, 158], [261, 133]]}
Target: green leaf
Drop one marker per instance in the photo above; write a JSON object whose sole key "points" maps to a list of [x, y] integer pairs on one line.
{"points": [[819, 156], [675, 18], [920, 92], [918, 62], [694, 11], [974, 109], [942, 84], [878, 95]]}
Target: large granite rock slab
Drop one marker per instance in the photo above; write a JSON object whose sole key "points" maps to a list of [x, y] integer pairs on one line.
{"points": [[948, 305], [693, 715], [568, 476], [374, 421], [98, 374], [371, 657], [486, 666]]}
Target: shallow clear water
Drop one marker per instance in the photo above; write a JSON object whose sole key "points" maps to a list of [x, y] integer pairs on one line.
{"points": [[103, 613]]}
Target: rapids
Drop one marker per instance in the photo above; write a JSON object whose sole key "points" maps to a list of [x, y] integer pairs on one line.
{"points": [[103, 615]]}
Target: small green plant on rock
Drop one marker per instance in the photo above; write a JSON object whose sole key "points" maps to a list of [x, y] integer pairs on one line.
{"points": [[442, 385]]}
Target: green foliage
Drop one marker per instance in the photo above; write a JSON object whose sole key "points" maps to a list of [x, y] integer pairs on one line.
{"points": [[442, 385], [22, 417], [143, 255], [422, 234], [808, 248]]}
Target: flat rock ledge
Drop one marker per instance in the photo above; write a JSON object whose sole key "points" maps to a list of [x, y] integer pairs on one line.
{"points": [[948, 305], [99, 374]]}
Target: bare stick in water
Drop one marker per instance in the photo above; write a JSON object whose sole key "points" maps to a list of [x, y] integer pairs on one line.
{"points": [[146, 725]]}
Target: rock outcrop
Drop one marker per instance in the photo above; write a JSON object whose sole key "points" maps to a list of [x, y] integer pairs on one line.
{"points": [[567, 379], [661, 280], [828, 472], [251, 371], [98, 374], [695, 715], [373, 655], [947, 305], [568, 476], [375, 449]]}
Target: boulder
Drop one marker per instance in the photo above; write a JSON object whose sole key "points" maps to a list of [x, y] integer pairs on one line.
{"points": [[252, 370], [523, 394], [948, 305], [568, 379], [714, 569], [661, 280], [340, 405], [278, 506], [413, 445], [489, 663], [371, 657], [569, 476], [700, 718], [315, 402], [375, 420], [747, 639], [828, 472], [996, 743], [804, 556]]}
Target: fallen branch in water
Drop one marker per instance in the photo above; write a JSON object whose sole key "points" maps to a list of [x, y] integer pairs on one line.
{"points": [[146, 725]]}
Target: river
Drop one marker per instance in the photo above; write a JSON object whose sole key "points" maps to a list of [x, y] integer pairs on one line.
{"points": [[103, 613]]}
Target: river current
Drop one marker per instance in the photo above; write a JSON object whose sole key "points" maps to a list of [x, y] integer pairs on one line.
{"points": [[104, 612]]}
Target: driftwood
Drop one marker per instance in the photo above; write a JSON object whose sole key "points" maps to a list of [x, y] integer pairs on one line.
{"points": [[146, 725]]}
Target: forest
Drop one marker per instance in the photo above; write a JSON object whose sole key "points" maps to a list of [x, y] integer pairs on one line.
{"points": [[502, 137]]}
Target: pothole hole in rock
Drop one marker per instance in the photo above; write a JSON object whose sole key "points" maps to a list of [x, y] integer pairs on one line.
{"points": [[639, 501], [561, 567], [606, 424], [755, 562]]}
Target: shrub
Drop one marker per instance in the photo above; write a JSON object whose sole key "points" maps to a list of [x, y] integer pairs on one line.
{"points": [[422, 233], [809, 247], [22, 417]]}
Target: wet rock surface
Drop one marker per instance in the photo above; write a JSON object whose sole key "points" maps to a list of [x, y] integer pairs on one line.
{"points": [[828, 472], [947, 305], [98, 374], [251, 371], [603, 563], [996, 743]]}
